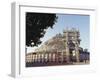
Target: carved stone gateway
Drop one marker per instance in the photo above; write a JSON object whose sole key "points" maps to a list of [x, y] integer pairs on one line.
{"points": [[72, 42]]}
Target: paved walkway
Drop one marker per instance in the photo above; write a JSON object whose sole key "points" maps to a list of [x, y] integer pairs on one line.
{"points": [[54, 64]]}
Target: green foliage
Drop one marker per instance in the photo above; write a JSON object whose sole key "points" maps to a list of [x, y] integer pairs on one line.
{"points": [[36, 26]]}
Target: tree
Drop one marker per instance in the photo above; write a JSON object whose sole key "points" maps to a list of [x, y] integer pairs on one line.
{"points": [[36, 26], [85, 50]]}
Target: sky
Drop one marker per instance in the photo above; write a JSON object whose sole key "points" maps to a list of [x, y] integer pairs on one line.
{"points": [[81, 22]]}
